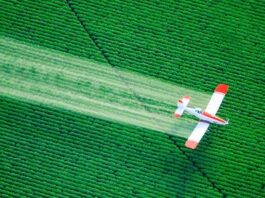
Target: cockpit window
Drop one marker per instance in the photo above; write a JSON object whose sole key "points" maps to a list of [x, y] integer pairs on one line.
{"points": [[198, 110]]}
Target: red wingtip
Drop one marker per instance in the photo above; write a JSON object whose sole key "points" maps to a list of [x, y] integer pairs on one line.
{"points": [[187, 97], [191, 144], [222, 88], [177, 115]]}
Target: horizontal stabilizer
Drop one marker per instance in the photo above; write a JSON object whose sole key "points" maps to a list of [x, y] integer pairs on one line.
{"points": [[182, 104]]}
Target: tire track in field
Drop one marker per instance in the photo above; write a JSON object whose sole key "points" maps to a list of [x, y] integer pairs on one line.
{"points": [[93, 37], [96, 42]]}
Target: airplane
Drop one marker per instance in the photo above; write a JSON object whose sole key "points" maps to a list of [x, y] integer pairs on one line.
{"points": [[206, 117]]}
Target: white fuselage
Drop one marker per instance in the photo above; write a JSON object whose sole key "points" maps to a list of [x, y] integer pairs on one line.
{"points": [[204, 116]]}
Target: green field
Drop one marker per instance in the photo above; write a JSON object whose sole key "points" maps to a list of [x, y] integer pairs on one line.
{"points": [[54, 144]]}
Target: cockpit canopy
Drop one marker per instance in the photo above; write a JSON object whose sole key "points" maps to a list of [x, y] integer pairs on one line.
{"points": [[198, 110]]}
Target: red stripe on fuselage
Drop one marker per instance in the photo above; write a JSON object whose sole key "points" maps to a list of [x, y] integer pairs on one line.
{"points": [[212, 117]]}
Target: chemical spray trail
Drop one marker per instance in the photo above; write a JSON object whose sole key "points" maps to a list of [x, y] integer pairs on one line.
{"points": [[61, 80]]}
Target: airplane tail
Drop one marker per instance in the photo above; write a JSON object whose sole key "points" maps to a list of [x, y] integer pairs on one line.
{"points": [[182, 104]]}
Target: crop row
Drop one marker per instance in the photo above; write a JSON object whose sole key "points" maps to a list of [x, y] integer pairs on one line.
{"points": [[197, 46], [69, 38], [71, 148], [108, 139], [239, 116]]}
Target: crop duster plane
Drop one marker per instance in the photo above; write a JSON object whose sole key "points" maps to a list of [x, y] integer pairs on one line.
{"points": [[206, 117]]}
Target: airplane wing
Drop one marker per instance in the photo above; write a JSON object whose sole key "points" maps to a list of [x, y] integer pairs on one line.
{"points": [[212, 108], [197, 135], [216, 99]]}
